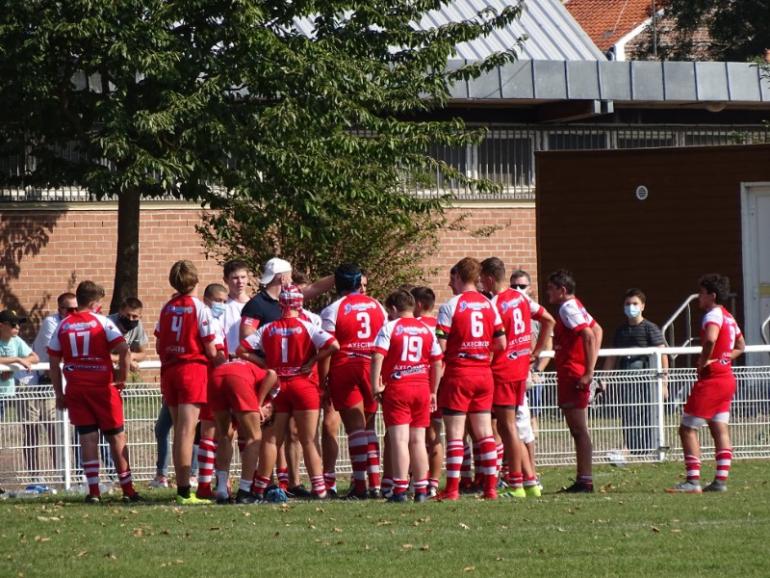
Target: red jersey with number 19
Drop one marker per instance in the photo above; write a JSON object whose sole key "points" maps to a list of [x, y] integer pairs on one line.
{"points": [[184, 326], [409, 347], [84, 341], [354, 320], [469, 323], [517, 311]]}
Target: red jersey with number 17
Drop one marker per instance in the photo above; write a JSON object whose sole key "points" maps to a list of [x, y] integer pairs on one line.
{"points": [[354, 320], [469, 323], [409, 347], [84, 341], [183, 328]]}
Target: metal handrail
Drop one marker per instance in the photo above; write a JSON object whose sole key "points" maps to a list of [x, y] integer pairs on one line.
{"points": [[668, 327], [765, 331]]}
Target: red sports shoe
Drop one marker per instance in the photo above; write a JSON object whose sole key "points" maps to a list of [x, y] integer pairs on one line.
{"points": [[490, 494], [447, 496]]}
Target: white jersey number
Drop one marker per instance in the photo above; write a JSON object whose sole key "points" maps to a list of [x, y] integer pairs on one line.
{"points": [[518, 322], [477, 323], [411, 348], [85, 337], [365, 330]]}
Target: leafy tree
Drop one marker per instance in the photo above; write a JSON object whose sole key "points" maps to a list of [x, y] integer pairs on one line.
{"points": [[738, 30], [291, 120]]}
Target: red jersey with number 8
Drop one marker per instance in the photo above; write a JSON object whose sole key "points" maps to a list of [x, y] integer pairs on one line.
{"points": [[184, 326], [517, 311], [354, 320], [469, 323], [84, 341]]}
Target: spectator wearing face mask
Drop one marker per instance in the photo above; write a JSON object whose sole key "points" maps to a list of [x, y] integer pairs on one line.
{"points": [[128, 320], [637, 410]]}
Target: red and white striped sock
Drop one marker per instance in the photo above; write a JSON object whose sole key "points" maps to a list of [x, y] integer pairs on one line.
{"points": [[432, 483], [91, 472], [330, 480], [207, 448], [259, 485], [387, 484], [454, 462], [283, 478], [373, 459], [488, 463], [318, 486], [530, 481], [692, 467], [126, 483], [357, 446], [500, 453], [724, 461], [516, 480], [421, 487], [478, 474], [465, 468], [400, 487]]}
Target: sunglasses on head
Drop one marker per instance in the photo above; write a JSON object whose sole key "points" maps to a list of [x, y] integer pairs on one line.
{"points": [[519, 286]]}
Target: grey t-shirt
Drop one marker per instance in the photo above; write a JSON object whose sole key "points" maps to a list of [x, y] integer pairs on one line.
{"points": [[136, 337], [645, 334]]}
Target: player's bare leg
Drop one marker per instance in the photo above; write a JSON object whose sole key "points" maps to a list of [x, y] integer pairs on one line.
{"points": [[577, 421], [282, 464], [481, 429], [435, 450], [119, 451], [418, 461], [249, 431], [293, 452], [388, 477], [185, 418], [224, 455], [330, 447], [307, 432], [354, 420], [397, 457], [272, 439]]}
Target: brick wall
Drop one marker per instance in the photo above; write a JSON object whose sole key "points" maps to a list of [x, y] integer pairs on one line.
{"points": [[47, 250]]}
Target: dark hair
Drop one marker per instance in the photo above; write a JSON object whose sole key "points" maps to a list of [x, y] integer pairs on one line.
{"points": [[634, 292], [425, 297], [64, 297], [88, 292], [131, 303], [234, 265], [214, 288], [563, 278], [520, 273], [494, 267], [300, 277], [468, 270], [347, 277], [717, 284], [183, 276], [400, 300]]}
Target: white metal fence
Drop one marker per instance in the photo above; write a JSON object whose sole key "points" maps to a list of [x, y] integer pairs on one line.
{"points": [[632, 422]]}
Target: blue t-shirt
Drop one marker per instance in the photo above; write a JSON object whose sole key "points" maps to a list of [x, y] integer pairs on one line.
{"points": [[14, 347]]}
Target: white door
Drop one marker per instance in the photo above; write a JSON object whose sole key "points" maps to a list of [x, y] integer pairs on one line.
{"points": [[756, 261]]}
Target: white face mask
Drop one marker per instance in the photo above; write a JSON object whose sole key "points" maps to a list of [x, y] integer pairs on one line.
{"points": [[632, 311], [218, 309]]}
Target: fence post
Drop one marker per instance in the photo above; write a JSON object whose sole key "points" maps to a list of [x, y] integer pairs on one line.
{"points": [[660, 406], [66, 441]]}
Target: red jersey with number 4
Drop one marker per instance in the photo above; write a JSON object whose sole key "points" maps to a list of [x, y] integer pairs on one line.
{"points": [[517, 311], [84, 341], [183, 328], [409, 347], [469, 323], [354, 320], [288, 344], [725, 343], [569, 352]]}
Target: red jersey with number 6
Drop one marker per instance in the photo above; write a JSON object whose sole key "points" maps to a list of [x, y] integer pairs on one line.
{"points": [[517, 311], [469, 323], [354, 320], [409, 347], [288, 344], [184, 326], [84, 341]]}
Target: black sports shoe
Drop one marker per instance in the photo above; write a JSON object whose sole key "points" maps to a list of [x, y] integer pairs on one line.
{"points": [[578, 488], [332, 494], [397, 498], [352, 495], [93, 499], [243, 497], [420, 498], [375, 494], [133, 499], [225, 500], [300, 492]]}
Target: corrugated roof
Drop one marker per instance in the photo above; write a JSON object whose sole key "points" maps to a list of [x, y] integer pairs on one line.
{"points": [[607, 21], [552, 33]]}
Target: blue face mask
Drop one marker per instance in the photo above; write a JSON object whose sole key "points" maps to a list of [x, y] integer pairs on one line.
{"points": [[632, 311], [218, 309]]}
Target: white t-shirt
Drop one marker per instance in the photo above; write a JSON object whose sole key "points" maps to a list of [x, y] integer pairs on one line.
{"points": [[231, 323]]}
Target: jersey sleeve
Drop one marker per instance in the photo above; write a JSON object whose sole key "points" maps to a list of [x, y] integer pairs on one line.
{"points": [[573, 317], [535, 309], [713, 317], [206, 329], [382, 341], [329, 319], [114, 335], [54, 344], [499, 329], [22, 349], [435, 350], [253, 342], [444, 320], [219, 333], [250, 315], [319, 337]]}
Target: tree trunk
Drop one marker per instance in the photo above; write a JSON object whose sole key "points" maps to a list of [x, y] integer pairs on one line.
{"points": [[127, 260]]}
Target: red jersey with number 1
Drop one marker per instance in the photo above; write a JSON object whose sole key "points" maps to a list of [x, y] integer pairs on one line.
{"points": [[84, 341], [409, 347], [517, 311], [469, 323], [288, 344], [354, 320], [184, 327]]}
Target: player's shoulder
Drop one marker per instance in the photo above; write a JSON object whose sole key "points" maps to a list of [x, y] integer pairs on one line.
{"points": [[715, 315]]}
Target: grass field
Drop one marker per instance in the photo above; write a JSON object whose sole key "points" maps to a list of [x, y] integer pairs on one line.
{"points": [[629, 528]]}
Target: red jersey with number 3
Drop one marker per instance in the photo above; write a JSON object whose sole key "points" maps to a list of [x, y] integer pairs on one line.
{"points": [[184, 327], [469, 323], [354, 320], [409, 347], [288, 344], [517, 311], [84, 341]]}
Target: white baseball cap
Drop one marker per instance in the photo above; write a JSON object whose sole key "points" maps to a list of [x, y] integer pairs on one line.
{"points": [[274, 267]]}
